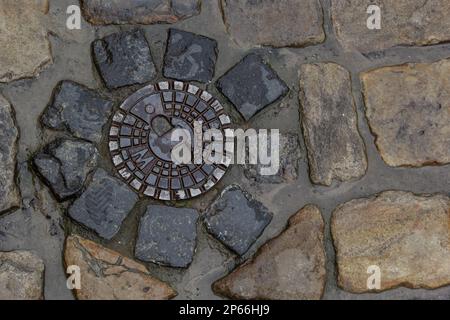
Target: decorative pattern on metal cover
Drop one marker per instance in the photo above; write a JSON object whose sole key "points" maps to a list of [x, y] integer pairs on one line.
{"points": [[140, 140]]}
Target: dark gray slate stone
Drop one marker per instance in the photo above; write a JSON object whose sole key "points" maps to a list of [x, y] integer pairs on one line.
{"points": [[104, 205], [251, 85], [124, 59], [289, 156], [167, 236], [103, 12], [65, 164], [236, 219], [78, 110], [190, 57]]}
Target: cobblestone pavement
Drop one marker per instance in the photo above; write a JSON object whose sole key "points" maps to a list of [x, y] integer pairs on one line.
{"points": [[364, 180]]}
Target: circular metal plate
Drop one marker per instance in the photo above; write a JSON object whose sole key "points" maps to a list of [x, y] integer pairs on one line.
{"points": [[140, 140]]}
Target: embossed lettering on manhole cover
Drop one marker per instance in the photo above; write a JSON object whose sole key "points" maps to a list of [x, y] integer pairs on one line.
{"points": [[140, 140]]}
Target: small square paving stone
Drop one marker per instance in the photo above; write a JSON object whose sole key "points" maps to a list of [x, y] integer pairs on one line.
{"points": [[78, 110], [65, 164], [190, 57], [104, 205], [236, 219], [124, 59], [251, 86], [289, 155], [167, 236]]}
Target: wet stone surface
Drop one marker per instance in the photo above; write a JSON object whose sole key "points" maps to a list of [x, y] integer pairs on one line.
{"points": [[21, 276], [288, 267], [124, 59], [9, 192], [167, 236], [104, 205], [65, 164], [283, 23], [335, 147], [25, 47], [107, 275], [405, 235], [251, 85], [236, 219], [403, 22], [289, 155], [77, 110], [190, 57], [140, 140], [139, 12], [409, 112]]}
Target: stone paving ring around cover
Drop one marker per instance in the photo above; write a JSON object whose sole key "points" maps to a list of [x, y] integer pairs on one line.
{"points": [[140, 141]]}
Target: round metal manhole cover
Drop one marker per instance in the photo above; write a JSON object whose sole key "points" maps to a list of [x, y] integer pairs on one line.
{"points": [[140, 140]]}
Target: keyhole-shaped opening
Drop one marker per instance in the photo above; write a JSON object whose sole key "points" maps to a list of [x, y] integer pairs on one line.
{"points": [[161, 125]]}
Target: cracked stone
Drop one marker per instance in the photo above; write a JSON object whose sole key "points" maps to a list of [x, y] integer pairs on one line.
{"points": [[78, 110], [104, 205], [251, 86], [167, 236], [403, 23], [283, 23], [236, 219], [21, 276], [405, 235], [330, 125], [101, 12], [289, 162], [107, 275], [408, 109], [24, 41], [190, 57], [124, 59], [9, 192], [288, 267], [65, 164]]}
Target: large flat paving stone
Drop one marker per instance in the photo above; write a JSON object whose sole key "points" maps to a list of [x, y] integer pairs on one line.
{"points": [[107, 275], [104, 205], [403, 23], [21, 276], [288, 267], [102, 12], [236, 219], [167, 236], [9, 192], [330, 125], [405, 235], [124, 59], [78, 110], [25, 48], [408, 109], [251, 85], [283, 23], [190, 57], [65, 164]]}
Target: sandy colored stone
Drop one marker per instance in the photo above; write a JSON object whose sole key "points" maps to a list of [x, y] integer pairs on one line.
{"points": [[25, 48], [406, 235], [282, 23], [101, 12], [21, 276], [290, 266], [107, 275], [403, 23], [330, 125], [408, 109], [9, 135]]}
